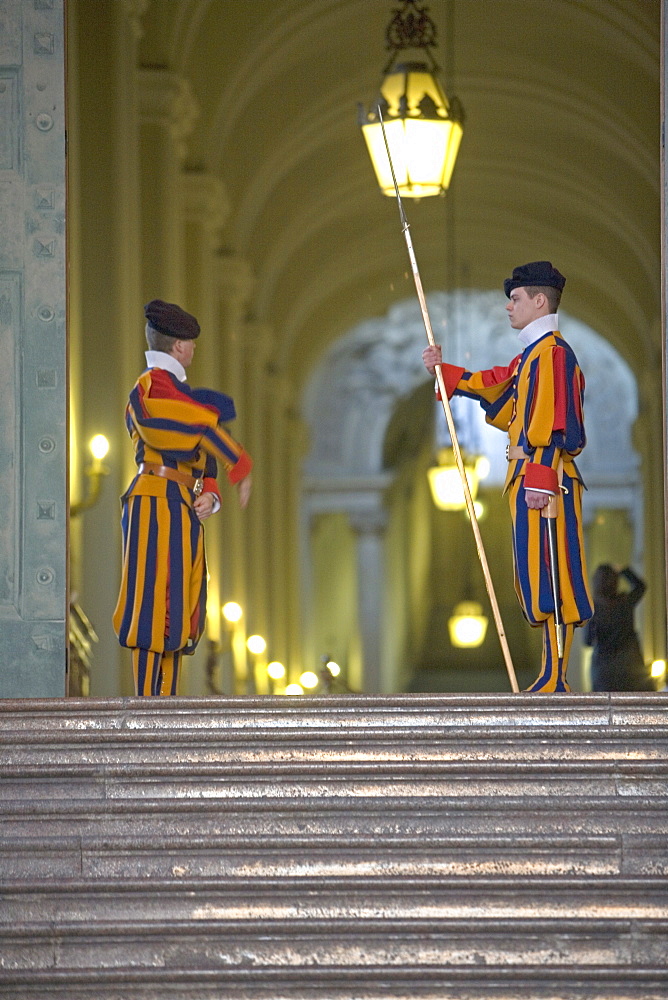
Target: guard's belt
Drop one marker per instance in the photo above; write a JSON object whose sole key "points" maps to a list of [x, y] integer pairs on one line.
{"points": [[164, 471]]}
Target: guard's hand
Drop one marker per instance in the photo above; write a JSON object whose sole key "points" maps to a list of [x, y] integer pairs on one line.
{"points": [[431, 356], [537, 500], [204, 505], [245, 486]]}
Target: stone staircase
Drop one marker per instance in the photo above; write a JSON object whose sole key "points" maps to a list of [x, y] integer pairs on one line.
{"points": [[468, 847]]}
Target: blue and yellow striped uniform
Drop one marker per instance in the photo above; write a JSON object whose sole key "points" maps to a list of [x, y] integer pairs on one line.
{"points": [[538, 400], [162, 602]]}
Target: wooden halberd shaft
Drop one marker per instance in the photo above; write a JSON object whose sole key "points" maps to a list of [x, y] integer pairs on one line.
{"points": [[453, 432]]}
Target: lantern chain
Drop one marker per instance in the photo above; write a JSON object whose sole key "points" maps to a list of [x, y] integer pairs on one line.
{"points": [[411, 27]]}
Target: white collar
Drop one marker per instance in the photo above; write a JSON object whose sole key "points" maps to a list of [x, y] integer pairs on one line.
{"points": [[538, 328], [158, 359]]}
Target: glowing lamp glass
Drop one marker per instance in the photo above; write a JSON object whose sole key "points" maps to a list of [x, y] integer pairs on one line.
{"points": [[468, 625], [479, 508], [309, 679], [423, 129], [446, 484], [99, 447], [276, 670], [232, 611], [482, 467], [658, 668], [256, 644]]}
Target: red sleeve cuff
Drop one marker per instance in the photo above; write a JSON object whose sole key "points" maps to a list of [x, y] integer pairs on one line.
{"points": [[241, 468], [540, 477], [210, 486], [451, 376]]}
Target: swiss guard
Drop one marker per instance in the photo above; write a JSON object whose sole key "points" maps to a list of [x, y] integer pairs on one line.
{"points": [[537, 400], [180, 438]]}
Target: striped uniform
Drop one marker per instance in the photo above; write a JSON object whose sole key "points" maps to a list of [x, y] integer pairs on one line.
{"points": [[538, 400], [162, 602]]}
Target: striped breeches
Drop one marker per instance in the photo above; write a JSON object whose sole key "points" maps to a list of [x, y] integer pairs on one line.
{"points": [[532, 576], [162, 601], [552, 676], [155, 673], [531, 557]]}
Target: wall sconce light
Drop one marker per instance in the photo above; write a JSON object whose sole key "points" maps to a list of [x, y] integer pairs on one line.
{"points": [[446, 483], [423, 128], [276, 673], [309, 680], [256, 644], [330, 676], [232, 612], [467, 625], [333, 667], [256, 678], [276, 670], [658, 670], [235, 666], [95, 472]]}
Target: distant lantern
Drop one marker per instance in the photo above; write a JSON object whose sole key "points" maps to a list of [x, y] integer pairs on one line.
{"points": [[424, 128], [467, 625], [445, 480]]}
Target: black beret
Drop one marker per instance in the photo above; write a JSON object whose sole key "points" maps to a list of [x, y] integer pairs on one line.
{"points": [[539, 272], [172, 320]]}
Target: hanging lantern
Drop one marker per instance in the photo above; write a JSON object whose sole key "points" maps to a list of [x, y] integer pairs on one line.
{"points": [[423, 128], [445, 481], [467, 625]]}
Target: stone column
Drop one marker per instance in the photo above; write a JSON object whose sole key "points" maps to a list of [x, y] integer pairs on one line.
{"points": [[235, 284], [298, 570], [369, 525], [205, 207], [260, 407], [652, 611], [105, 300], [664, 260], [168, 113], [281, 514]]}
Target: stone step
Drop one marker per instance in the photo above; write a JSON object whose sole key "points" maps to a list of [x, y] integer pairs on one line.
{"points": [[416, 846], [132, 856], [332, 898], [338, 815], [362, 823], [450, 749], [311, 787], [395, 982], [336, 767], [419, 714], [270, 944]]}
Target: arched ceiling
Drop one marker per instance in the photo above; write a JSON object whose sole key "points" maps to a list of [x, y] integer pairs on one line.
{"points": [[560, 156]]}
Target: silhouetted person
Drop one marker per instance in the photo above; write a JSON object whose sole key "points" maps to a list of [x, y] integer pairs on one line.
{"points": [[617, 662]]}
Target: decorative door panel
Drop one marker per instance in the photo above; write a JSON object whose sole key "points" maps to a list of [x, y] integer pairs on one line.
{"points": [[33, 351]]}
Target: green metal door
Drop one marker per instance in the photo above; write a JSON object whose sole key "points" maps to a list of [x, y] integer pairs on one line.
{"points": [[33, 351]]}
